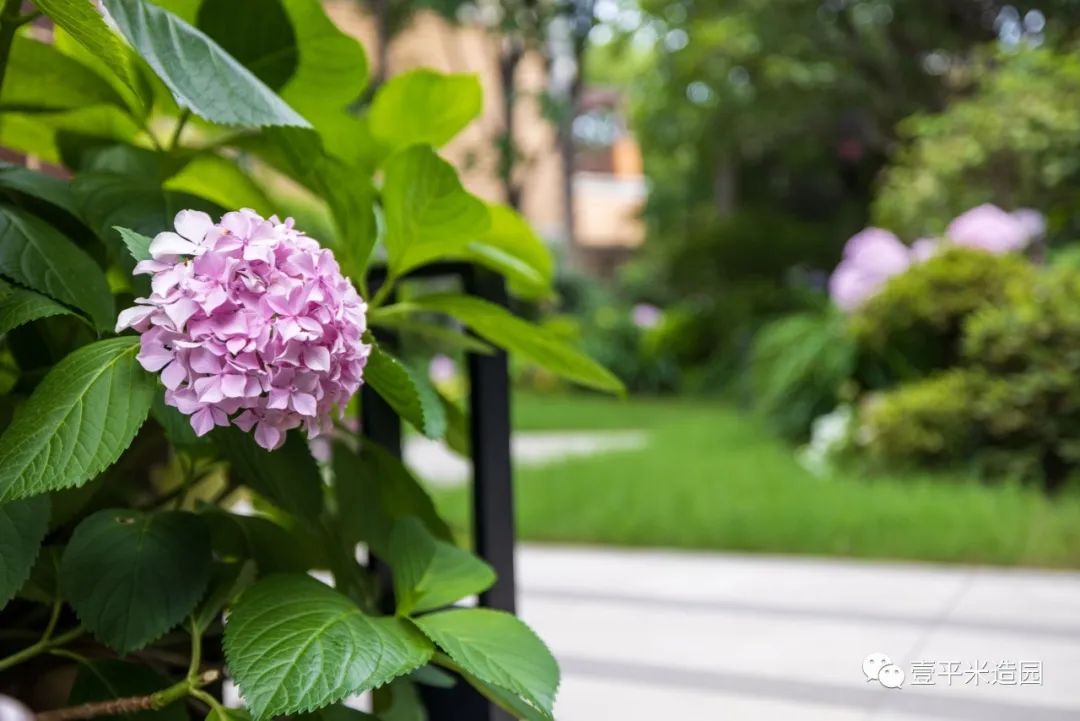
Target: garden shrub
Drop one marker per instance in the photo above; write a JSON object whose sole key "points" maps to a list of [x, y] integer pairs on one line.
{"points": [[128, 567], [914, 324], [798, 367], [931, 421], [1013, 405]]}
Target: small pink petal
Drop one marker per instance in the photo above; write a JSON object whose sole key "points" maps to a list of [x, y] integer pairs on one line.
{"points": [[166, 244], [232, 386], [193, 224], [202, 421], [267, 436], [317, 358], [303, 403], [131, 317], [173, 375]]}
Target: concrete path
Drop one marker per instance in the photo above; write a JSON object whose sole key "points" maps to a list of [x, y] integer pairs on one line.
{"points": [[651, 635], [438, 465]]}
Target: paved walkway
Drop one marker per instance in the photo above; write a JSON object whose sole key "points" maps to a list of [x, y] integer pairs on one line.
{"points": [[650, 635], [438, 465]]}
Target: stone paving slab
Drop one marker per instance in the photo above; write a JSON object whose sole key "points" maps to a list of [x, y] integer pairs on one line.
{"points": [[645, 634]]}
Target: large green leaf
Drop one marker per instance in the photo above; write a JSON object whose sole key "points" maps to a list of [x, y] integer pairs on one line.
{"points": [[19, 305], [294, 645], [39, 77], [430, 573], [374, 489], [23, 181], [105, 679], [202, 77], [42, 134], [333, 67], [111, 199], [267, 47], [22, 529], [222, 181], [428, 213], [131, 576], [86, 26], [511, 248], [499, 649], [273, 547], [499, 326], [423, 106], [408, 393], [78, 420], [348, 193], [34, 254], [287, 477]]}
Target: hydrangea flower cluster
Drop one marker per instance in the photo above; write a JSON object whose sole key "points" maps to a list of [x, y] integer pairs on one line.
{"points": [[874, 255], [250, 322]]}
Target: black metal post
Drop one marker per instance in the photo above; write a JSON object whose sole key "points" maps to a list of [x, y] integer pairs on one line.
{"points": [[492, 492]]}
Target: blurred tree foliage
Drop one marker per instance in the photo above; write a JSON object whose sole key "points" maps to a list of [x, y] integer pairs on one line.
{"points": [[1015, 141], [764, 126]]}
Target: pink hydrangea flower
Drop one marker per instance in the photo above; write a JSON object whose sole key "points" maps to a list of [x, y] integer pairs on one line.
{"points": [[871, 257], [646, 316], [250, 322], [992, 229]]}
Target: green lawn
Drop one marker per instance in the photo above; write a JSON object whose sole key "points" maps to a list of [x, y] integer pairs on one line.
{"points": [[712, 478]]}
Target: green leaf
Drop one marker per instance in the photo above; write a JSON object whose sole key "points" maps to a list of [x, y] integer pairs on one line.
{"points": [[111, 199], [105, 679], [267, 47], [423, 106], [293, 645], [40, 78], [34, 254], [374, 489], [43, 584], [201, 76], [430, 573], [499, 649], [22, 529], [131, 576], [41, 135], [227, 582], [272, 546], [287, 477], [54, 191], [518, 707], [348, 193], [333, 69], [407, 392], [18, 306], [138, 245], [438, 336], [86, 26], [511, 248], [296, 50], [540, 345], [428, 213], [78, 420], [221, 181]]}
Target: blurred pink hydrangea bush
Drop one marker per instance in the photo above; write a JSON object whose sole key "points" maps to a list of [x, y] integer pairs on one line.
{"points": [[874, 255], [250, 322]]}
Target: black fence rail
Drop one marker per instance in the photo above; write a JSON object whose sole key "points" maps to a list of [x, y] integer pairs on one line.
{"points": [[492, 491]]}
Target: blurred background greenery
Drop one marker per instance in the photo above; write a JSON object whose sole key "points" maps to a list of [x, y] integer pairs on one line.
{"points": [[704, 171]]}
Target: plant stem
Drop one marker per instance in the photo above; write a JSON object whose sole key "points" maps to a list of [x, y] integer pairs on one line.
{"points": [[196, 650], [42, 646], [175, 140], [383, 292], [133, 704]]}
